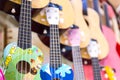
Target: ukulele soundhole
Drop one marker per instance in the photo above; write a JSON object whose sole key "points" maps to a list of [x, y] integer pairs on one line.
{"points": [[23, 67], [56, 79]]}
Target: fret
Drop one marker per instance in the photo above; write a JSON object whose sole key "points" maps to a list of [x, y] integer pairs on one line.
{"points": [[78, 66], [96, 69], [24, 35], [22, 40]]}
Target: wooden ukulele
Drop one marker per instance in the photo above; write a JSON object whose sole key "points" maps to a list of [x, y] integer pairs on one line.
{"points": [[99, 36], [35, 3], [66, 19], [80, 22], [22, 60], [93, 51], [102, 42], [55, 70], [74, 40], [112, 56]]}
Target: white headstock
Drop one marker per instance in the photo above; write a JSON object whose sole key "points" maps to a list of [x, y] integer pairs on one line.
{"points": [[52, 15], [74, 37], [93, 49]]}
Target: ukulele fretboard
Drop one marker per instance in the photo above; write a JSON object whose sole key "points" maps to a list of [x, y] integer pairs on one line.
{"points": [[96, 69], [78, 66], [55, 54], [24, 35]]}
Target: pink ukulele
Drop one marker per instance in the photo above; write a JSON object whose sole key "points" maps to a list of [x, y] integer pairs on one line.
{"points": [[1, 75]]}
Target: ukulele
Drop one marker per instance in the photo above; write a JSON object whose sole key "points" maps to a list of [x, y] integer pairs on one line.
{"points": [[93, 51], [22, 60], [35, 3], [112, 56], [80, 22], [55, 70], [74, 40], [114, 22], [66, 19], [111, 15], [94, 25], [102, 42]]}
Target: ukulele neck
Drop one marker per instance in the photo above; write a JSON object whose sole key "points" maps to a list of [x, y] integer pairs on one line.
{"points": [[55, 54], [78, 66], [96, 69], [24, 34]]}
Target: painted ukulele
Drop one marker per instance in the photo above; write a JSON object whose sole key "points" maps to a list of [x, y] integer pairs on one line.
{"points": [[74, 40], [55, 70], [22, 60]]}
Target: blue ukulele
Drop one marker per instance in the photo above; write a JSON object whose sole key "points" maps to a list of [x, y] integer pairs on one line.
{"points": [[55, 70]]}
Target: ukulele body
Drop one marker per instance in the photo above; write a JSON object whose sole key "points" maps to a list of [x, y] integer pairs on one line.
{"points": [[62, 73], [35, 3], [28, 60]]}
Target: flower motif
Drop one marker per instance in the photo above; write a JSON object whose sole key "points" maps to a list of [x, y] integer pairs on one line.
{"points": [[63, 69]]}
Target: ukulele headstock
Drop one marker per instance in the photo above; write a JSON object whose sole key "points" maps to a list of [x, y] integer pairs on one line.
{"points": [[74, 36], [52, 14], [93, 49]]}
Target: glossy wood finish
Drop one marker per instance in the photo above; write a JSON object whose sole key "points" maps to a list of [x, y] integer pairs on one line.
{"points": [[79, 22], [66, 15], [35, 3], [96, 33]]}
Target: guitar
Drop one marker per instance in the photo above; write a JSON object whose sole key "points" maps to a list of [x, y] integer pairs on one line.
{"points": [[74, 40], [22, 60], [1, 75], [80, 22], [93, 51], [35, 3], [55, 70], [66, 19]]}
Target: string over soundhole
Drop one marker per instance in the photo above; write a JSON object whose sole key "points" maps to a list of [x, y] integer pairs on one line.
{"points": [[23, 67]]}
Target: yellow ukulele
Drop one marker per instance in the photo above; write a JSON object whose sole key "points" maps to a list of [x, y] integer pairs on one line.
{"points": [[80, 22], [66, 14], [96, 33], [35, 3]]}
